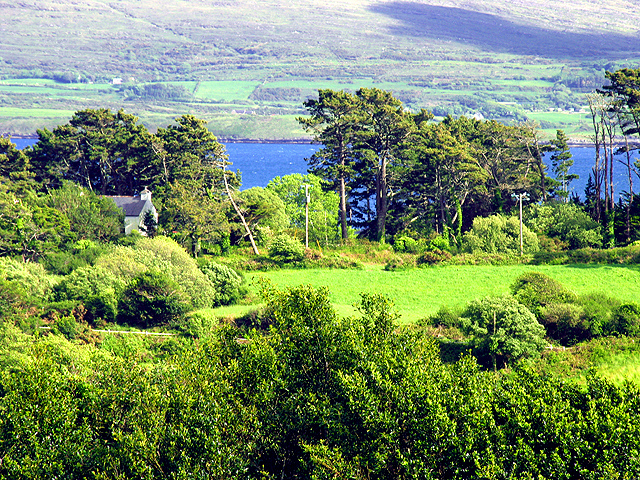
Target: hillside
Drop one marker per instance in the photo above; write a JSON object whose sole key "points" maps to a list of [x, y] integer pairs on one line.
{"points": [[248, 68]]}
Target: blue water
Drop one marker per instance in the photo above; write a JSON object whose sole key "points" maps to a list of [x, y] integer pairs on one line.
{"points": [[260, 162], [583, 162]]}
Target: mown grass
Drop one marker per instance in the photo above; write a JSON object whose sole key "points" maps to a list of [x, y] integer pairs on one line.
{"points": [[418, 293]]}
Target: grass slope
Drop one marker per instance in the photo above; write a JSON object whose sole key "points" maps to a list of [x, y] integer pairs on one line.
{"points": [[418, 293], [239, 60]]}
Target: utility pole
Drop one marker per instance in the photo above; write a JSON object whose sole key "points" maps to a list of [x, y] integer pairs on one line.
{"points": [[307, 200], [520, 197]]}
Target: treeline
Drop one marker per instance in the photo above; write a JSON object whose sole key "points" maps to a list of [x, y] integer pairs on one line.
{"points": [[398, 172], [183, 165], [318, 397], [394, 170]]}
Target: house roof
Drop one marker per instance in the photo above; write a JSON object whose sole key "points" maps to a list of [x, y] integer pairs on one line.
{"points": [[132, 206]]}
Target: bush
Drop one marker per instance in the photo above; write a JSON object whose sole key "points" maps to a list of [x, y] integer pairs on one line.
{"points": [[228, 284], [285, 249], [196, 325], [626, 319], [97, 288], [499, 234], [598, 311], [503, 329], [161, 254], [588, 316], [406, 244], [565, 222], [152, 299], [433, 257], [536, 290], [445, 317], [30, 277], [564, 322]]}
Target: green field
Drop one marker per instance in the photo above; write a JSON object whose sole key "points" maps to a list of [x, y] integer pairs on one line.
{"points": [[509, 61], [418, 293]]}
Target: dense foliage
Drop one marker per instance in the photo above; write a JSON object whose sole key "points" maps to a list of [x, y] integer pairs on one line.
{"points": [[318, 397]]}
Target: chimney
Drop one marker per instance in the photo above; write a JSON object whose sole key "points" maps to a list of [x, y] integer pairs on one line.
{"points": [[145, 194]]}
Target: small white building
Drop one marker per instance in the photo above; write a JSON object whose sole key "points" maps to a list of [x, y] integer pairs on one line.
{"points": [[135, 208]]}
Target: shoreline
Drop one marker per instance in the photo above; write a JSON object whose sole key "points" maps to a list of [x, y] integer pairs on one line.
{"points": [[308, 141]]}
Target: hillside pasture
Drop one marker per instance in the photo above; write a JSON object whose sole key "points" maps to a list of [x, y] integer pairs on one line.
{"points": [[418, 293], [461, 58]]}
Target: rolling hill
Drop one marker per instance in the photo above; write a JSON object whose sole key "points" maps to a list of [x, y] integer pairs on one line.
{"points": [[247, 67]]}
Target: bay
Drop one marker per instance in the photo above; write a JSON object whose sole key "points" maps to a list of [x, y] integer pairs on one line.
{"points": [[259, 163], [583, 162]]}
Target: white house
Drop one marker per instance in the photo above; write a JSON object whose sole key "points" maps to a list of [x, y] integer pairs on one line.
{"points": [[135, 209]]}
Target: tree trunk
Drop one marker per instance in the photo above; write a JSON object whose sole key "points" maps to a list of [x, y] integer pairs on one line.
{"points": [[381, 200], [244, 223], [342, 192]]}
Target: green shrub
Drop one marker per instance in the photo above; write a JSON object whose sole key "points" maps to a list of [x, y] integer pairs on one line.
{"points": [[566, 222], [229, 285], [31, 277], [161, 254], [406, 244], [564, 322], [503, 329], [286, 249], [598, 313], [439, 242], [445, 317], [152, 299], [196, 325], [499, 234], [587, 316], [626, 319], [433, 257], [67, 326], [95, 287], [536, 290]]}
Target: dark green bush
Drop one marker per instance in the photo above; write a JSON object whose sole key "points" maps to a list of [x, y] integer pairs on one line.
{"points": [[445, 317], [152, 299], [564, 322], [626, 319], [598, 313], [433, 257], [536, 290], [95, 287], [406, 244], [228, 283], [286, 249]]}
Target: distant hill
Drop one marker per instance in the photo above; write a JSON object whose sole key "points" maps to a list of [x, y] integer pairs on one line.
{"points": [[247, 66]]}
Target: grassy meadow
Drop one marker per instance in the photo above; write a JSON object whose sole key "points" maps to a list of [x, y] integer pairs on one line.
{"points": [[418, 293], [510, 61]]}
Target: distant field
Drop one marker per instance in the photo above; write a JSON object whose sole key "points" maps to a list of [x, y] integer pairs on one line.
{"points": [[225, 90], [9, 112], [418, 293], [503, 59]]}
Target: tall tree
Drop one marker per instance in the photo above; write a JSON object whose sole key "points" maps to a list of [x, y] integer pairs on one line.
{"points": [[624, 89], [385, 126], [334, 120], [561, 161], [440, 175], [189, 151], [106, 152]]}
